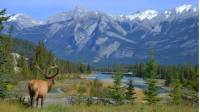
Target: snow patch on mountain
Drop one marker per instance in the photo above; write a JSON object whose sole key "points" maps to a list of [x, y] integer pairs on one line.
{"points": [[183, 8], [167, 14], [148, 14], [24, 20]]}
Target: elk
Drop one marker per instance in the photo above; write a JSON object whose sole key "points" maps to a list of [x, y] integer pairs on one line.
{"points": [[38, 89]]}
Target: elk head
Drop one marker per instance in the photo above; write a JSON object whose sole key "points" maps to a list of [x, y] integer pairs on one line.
{"points": [[46, 74]]}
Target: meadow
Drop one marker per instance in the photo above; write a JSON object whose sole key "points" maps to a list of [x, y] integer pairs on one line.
{"points": [[12, 106], [70, 87]]}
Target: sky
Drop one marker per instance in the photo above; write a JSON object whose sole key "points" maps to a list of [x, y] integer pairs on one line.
{"points": [[41, 9]]}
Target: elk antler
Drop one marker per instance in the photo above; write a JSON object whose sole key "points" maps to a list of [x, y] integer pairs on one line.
{"points": [[57, 71], [42, 72], [46, 71]]}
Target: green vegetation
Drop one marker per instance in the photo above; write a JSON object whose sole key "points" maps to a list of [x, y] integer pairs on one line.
{"points": [[15, 107], [96, 89], [117, 91], [23, 47], [130, 94], [151, 67], [151, 94], [176, 92], [23, 64]]}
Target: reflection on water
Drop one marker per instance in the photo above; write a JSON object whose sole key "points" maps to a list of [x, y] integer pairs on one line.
{"points": [[137, 81]]}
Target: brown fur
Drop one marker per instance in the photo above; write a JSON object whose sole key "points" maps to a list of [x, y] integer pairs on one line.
{"points": [[38, 89]]}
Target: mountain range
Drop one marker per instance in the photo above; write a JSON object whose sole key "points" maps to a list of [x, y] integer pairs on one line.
{"points": [[99, 38]]}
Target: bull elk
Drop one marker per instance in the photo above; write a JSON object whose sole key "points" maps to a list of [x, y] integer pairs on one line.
{"points": [[38, 89]]}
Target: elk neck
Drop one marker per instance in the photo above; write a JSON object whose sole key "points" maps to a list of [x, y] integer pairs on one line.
{"points": [[50, 83]]}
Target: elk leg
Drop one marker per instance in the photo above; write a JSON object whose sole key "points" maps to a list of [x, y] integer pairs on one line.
{"points": [[37, 99], [42, 101], [31, 100]]}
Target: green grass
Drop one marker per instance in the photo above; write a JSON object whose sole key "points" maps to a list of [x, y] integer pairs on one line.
{"points": [[8, 106]]}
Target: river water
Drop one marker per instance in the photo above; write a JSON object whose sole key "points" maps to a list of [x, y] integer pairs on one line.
{"points": [[137, 81]]}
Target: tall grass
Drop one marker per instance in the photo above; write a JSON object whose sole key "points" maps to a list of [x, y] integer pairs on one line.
{"points": [[13, 106]]}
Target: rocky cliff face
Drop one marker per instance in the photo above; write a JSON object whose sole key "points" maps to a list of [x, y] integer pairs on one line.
{"points": [[96, 37]]}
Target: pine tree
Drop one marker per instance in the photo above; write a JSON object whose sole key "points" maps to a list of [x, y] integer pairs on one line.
{"points": [[134, 70], [5, 59], [151, 94], [130, 94], [176, 92], [169, 76], [10, 40], [151, 66], [41, 57], [117, 91], [2, 58], [3, 18], [193, 84], [23, 64], [6, 65], [152, 91], [88, 69], [2, 48]]}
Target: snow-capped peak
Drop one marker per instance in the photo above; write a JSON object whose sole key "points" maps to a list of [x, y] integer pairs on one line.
{"points": [[148, 14], [24, 20], [14, 17], [183, 8]]}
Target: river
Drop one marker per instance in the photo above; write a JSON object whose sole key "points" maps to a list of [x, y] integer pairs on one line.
{"points": [[137, 81]]}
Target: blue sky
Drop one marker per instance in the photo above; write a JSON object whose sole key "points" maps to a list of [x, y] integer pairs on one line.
{"points": [[41, 9]]}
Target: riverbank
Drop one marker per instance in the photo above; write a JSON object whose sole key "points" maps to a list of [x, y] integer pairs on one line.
{"points": [[70, 87]]}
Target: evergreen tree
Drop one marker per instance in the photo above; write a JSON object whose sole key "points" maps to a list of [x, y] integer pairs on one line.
{"points": [[2, 58], [192, 84], [151, 66], [169, 76], [2, 48], [176, 92], [43, 58], [151, 94], [3, 18], [130, 94], [81, 69], [152, 91], [5, 58], [88, 69], [10, 40], [134, 70], [6, 65], [23, 64], [117, 91]]}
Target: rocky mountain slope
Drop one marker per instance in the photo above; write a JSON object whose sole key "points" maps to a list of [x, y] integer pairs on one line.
{"points": [[100, 38]]}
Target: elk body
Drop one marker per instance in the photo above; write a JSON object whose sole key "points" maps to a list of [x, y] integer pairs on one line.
{"points": [[38, 89]]}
